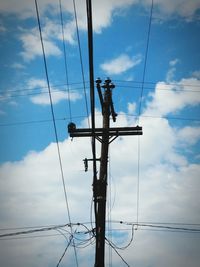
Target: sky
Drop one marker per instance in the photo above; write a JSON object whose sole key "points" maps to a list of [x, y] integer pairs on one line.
{"points": [[152, 179]]}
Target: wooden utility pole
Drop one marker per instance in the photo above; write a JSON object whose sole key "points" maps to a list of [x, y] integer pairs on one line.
{"points": [[106, 103], [105, 135]]}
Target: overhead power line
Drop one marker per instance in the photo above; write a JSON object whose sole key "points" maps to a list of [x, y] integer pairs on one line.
{"points": [[54, 122], [114, 248], [81, 60], [145, 59], [139, 112], [123, 84], [65, 59], [9, 124], [70, 239]]}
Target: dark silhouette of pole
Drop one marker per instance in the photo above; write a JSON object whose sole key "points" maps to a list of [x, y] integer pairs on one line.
{"points": [[105, 135], [102, 181]]}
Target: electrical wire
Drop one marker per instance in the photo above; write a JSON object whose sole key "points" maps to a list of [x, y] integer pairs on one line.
{"points": [[145, 59], [92, 102], [7, 94], [81, 60], [43, 229], [54, 122], [82, 117], [65, 59], [109, 224], [39, 121], [165, 84], [70, 239], [139, 110], [138, 180], [129, 243], [136, 84], [111, 245]]}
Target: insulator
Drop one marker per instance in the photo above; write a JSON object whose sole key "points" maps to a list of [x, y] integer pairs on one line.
{"points": [[98, 80], [71, 127], [108, 80], [112, 86]]}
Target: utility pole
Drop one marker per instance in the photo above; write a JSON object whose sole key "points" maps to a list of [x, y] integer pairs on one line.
{"points": [[105, 135]]}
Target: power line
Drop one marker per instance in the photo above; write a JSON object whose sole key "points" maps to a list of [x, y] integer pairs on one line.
{"points": [[70, 239], [92, 100], [162, 117], [8, 92], [140, 105], [112, 246], [156, 82], [54, 123], [4, 97], [38, 121], [43, 229], [82, 117], [161, 226], [109, 224], [81, 60], [145, 60], [138, 179], [45, 87], [65, 59]]}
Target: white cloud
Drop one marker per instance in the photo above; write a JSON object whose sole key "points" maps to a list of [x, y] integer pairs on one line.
{"points": [[170, 98], [196, 74], [36, 83], [18, 66], [32, 45], [43, 97], [188, 135], [120, 64], [57, 96], [103, 11], [171, 72], [131, 108], [31, 194], [174, 62]]}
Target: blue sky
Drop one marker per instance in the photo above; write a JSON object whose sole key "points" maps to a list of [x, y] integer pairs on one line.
{"points": [[31, 189]]}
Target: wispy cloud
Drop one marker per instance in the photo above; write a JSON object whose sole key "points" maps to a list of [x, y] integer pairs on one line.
{"points": [[2, 29], [120, 64], [18, 66], [171, 72]]}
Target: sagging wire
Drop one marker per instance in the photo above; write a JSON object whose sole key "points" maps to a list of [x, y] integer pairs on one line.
{"points": [[70, 239], [114, 248]]}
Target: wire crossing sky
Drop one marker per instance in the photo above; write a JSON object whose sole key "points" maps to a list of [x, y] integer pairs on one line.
{"points": [[150, 50]]}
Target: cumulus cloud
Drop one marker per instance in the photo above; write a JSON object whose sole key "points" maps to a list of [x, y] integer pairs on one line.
{"points": [[170, 98], [57, 95], [171, 72], [32, 45], [120, 64], [31, 190], [103, 10]]}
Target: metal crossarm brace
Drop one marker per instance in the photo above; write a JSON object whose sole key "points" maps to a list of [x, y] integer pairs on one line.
{"points": [[114, 131]]}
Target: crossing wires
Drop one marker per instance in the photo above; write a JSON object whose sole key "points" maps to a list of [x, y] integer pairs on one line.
{"points": [[54, 123]]}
